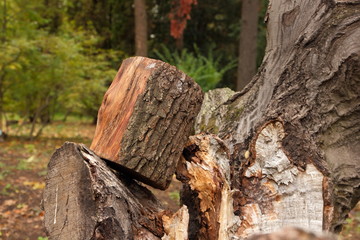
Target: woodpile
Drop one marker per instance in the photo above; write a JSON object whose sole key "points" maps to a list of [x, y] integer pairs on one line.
{"points": [[283, 152]]}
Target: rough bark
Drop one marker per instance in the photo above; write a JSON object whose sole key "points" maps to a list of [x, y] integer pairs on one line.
{"points": [[293, 132], [141, 35], [145, 118], [84, 199], [248, 42]]}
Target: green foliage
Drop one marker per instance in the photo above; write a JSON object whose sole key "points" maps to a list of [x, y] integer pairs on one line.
{"points": [[175, 196], [7, 189], [351, 228], [47, 66], [3, 171], [23, 165], [42, 238], [205, 70], [59, 56]]}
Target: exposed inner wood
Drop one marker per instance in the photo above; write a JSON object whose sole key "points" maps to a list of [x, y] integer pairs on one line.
{"points": [[205, 170], [84, 199], [293, 233], [145, 119], [176, 226], [275, 193], [118, 105], [309, 80]]}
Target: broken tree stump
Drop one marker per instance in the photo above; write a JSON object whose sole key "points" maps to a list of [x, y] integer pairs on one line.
{"points": [[85, 199], [145, 119], [292, 133]]}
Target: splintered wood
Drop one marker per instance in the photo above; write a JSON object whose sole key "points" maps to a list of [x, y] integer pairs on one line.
{"points": [[176, 226], [145, 119], [274, 192], [204, 168]]}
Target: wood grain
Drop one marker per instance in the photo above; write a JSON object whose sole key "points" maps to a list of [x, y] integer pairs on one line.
{"points": [[84, 199]]}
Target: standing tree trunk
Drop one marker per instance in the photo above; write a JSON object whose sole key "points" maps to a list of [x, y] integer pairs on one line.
{"points": [[2, 76], [292, 134], [282, 152], [141, 45], [247, 44]]}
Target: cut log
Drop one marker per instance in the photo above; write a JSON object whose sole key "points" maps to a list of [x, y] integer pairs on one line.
{"points": [[145, 119], [84, 199]]}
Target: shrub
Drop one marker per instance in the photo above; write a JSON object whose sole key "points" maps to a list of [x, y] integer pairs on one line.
{"points": [[205, 70]]}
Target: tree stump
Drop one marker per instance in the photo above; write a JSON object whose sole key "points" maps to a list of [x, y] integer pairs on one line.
{"points": [[292, 134], [145, 119]]}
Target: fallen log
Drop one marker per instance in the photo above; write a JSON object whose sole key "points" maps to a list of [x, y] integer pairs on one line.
{"points": [[85, 199], [145, 119]]}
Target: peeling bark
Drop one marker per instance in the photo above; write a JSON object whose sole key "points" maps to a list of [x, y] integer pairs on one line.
{"points": [[274, 191]]}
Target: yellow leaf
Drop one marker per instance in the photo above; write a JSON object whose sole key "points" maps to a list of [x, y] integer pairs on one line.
{"points": [[35, 185]]}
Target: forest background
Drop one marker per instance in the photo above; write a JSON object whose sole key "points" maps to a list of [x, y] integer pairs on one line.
{"points": [[58, 57]]}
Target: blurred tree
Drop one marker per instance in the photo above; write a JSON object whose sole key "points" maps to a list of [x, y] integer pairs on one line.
{"points": [[141, 38], [3, 40], [179, 15], [53, 12], [46, 69], [247, 44], [58, 56], [111, 20], [213, 25]]}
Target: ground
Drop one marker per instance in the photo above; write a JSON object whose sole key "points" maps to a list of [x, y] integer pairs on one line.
{"points": [[23, 166]]}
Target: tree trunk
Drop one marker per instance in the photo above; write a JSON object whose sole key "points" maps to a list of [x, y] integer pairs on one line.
{"points": [[1, 105], [2, 76], [292, 133], [141, 46], [282, 152], [145, 119], [248, 42]]}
